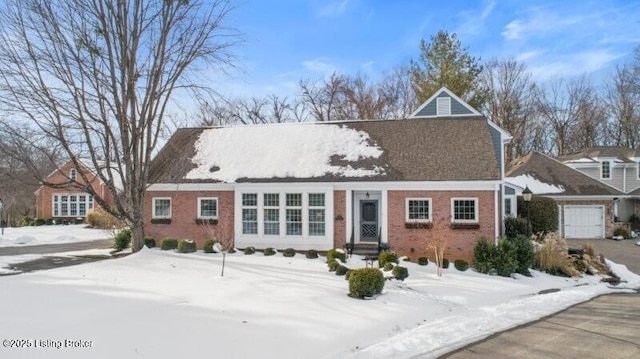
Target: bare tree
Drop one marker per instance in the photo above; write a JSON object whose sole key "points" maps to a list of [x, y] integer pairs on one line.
{"points": [[623, 100], [321, 97], [510, 101], [98, 76]]}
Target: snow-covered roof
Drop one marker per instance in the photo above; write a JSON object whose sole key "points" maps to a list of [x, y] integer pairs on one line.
{"points": [[294, 151], [536, 186]]}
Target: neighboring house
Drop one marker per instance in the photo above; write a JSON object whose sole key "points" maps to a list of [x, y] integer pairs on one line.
{"points": [[618, 167], [65, 196], [323, 185], [586, 206]]}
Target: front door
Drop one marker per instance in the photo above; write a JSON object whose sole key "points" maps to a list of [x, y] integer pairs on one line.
{"points": [[369, 220]]}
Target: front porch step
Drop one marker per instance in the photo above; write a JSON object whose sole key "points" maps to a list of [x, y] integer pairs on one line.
{"points": [[365, 249]]}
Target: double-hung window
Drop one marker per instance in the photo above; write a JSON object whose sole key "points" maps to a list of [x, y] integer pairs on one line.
{"points": [[271, 213], [294, 214], [464, 210], [207, 208], [605, 170], [418, 210], [161, 207], [316, 214], [71, 204], [249, 213]]}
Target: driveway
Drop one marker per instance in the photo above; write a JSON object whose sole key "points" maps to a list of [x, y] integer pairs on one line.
{"points": [[605, 327]]}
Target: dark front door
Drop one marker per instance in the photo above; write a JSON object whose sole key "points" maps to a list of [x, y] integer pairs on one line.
{"points": [[369, 220]]}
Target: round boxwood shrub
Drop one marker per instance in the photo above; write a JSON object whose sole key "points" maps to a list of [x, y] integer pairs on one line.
{"points": [[341, 270], [249, 250], [346, 275], [445, 263], [311, 254], [122, 239], [208, 246], [543, 214], [484, 254], [387, 257], [365, 282], [149, 242], [388, 267], [289, 252], [269, 251], [333, 254], [187, 246], [40, 222], [423, 261], [461, 265], [168, 243], [333, 265], [400, 272]]}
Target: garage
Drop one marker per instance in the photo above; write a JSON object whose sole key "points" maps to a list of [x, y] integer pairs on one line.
{"points": [[584, 221]]}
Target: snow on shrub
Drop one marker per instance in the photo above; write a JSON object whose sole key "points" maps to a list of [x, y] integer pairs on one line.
{"points": [[208, 246], [333, 254], [387, 257], [187, 246], [269, 251], [249, 251]]}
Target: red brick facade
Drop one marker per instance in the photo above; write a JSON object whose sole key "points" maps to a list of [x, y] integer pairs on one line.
{"points": [[414, 242], [340, 215], [44, 195], [184, 211]]}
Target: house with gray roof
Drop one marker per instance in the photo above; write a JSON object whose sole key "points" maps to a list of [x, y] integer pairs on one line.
{"points": [[325, 185]]}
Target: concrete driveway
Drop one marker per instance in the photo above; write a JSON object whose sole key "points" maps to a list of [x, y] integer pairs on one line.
{"points": [[605, 327]]}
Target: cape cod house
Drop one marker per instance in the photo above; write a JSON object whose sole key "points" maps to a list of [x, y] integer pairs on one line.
{"points": [[324, 185]]}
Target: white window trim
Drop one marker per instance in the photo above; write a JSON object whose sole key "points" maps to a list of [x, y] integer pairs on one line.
{"points": [[476, 208], [73, 174], [256, 207], [323, 208], [610, 170], [278, 208], [406, 210], [200, 199], [300, 207], [153, 210], [89, 203]]}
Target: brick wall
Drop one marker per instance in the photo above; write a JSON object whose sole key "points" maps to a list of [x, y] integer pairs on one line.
{"points": [[184, 211], [414, 242], [339, 211]]}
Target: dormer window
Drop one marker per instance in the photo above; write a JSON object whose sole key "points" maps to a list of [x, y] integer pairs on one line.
{"points": [[605, 170], [73, 174], [443, 106]]}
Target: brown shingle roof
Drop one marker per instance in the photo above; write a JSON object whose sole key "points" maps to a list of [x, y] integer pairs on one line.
{"points": [[622, 154], [548, 170], [451, 149]]}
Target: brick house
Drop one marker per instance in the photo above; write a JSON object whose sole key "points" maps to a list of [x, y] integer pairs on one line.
{"points": [[324, 185], [64, 194]]}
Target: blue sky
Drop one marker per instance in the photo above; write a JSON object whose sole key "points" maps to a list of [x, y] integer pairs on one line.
{"points": [[287, 40]]}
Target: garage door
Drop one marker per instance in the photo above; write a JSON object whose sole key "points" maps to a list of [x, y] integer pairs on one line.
{"points": [[584, 222]]}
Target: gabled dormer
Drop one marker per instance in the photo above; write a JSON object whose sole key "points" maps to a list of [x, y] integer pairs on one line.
{"points": [[444, 103]]}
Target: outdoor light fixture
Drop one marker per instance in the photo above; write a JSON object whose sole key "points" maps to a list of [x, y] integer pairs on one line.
{"points": [[526, 195], [367, 195]]}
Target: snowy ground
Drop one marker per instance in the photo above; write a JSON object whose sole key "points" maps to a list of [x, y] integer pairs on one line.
{"points": [[158, 304], [37, 235]]}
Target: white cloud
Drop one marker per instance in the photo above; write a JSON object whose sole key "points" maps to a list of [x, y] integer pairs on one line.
{"points": [[319, 66], [529, 55], [473, 25], [334, 8], [488, 9], [573, 64], [513, 30], [540, 21]]}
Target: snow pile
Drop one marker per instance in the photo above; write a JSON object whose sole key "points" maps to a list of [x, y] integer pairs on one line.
{"points": [[283, 150], [272, 307], [535, 185], [38, 235]]}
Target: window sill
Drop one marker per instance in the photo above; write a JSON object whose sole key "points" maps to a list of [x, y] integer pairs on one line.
{"points": [[465, 225], [206, 221], [418, 225], [160, 220]]}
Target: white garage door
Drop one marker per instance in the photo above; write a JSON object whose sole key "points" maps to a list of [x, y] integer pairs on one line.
{"points": [[584, 222]]}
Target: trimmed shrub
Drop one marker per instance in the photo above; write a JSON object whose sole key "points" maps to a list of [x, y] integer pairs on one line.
{"points": [[208, 246], [49, 221], [122, 239], [484, 254], [40, 222], [400, 272], [149, 242], [333, 254], [311, 254], [506, 259], [515, 226], [388, 266], [25, 222], [289, 252], [341, 270], [387, 257], [423, 261], [99, 218], [461, 265], [269, 251], [249, 251], [231, 250], [543, 216], [524, 254], [619, 231], [365, 282], [168, 244], [445, 263], [333, 265], [346, 275], [187, 246]]}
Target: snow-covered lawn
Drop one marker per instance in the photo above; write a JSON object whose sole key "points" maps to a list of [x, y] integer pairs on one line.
{"points": [[31, 236], [157, 304]]}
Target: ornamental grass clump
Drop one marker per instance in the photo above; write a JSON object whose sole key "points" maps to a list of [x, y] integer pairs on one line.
{"points": [[551, 256], [365, 282]]}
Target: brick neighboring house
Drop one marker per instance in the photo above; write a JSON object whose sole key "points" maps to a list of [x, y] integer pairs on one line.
{"points": [[64, 197], [586, 206], [324, 185]]}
